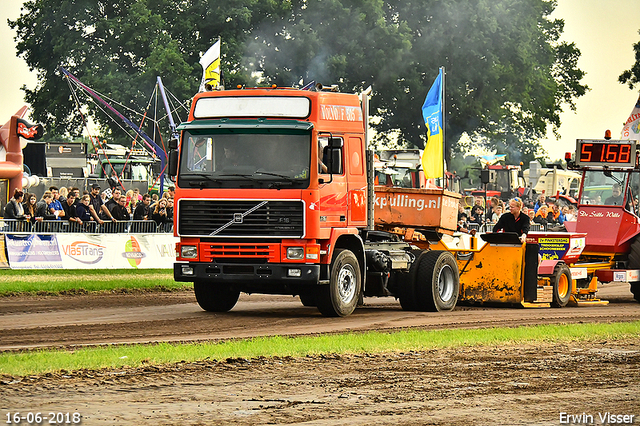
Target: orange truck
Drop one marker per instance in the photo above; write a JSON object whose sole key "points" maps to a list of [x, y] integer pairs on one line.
{"points": [[274, 195]]}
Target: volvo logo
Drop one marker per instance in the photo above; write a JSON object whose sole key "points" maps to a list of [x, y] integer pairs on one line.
{"points": [[237, 217]]}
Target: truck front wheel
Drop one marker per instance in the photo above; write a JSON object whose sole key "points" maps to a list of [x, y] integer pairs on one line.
{"points": [[437, 281], [215, 298], [340, 297]]}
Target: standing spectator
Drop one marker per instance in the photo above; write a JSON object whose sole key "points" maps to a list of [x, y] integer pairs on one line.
{"points": [[113, 201], [569, 213], [477, 211], [14, 208], [119, 210], [542, 200], [55, 207], [136, 195], [497, 212], [29, 207], [83, 209], [76, 193], [98, 209], [154, 201], [142, 209], [532, 214], [542, 215], [62, 195], [42, 207], [69, 207], [160, 212], [170, 209], [172, 191], [556, 214]]}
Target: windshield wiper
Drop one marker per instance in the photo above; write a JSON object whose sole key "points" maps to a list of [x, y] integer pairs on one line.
{"points": [[248, 177], [287, 178], [203, 175]]}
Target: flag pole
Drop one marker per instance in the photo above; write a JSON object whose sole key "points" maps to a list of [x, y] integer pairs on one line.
{"points": [[444, 125]]}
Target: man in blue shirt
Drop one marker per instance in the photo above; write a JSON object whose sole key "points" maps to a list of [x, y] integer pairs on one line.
{"points": [[55, 207]]}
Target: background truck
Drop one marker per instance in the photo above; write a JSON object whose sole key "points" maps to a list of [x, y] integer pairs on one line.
{"points": [[553, 181], [608, 212]]}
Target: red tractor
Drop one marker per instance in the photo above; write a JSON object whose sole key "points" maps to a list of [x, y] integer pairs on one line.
{"points": [[608, 213]]}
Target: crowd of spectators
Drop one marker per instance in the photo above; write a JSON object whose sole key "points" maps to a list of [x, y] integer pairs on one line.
{"points": [[543, 212], [93, 205]]}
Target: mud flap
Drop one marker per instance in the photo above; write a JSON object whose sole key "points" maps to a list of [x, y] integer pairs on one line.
{"points": [[531, 272]]}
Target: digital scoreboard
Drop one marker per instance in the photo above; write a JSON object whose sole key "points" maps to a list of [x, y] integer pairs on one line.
{"points": [[611, 153]]}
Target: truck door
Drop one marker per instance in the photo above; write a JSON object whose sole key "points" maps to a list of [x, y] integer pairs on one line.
{"points": [[356, 184], [333, 205]]}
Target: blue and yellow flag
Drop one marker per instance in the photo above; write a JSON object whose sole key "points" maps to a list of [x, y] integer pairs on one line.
{"points": [[432, 156]]}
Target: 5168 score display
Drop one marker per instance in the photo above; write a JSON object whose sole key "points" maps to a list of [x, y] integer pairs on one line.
{"points": [[606, 153], [50, 418]]}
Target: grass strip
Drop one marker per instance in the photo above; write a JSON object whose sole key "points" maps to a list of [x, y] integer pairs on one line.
{"points": [[13, 282], [51, 361]]}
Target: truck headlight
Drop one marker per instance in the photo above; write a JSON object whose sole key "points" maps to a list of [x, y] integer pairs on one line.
{"points": [[189, 252], [295, 252]]}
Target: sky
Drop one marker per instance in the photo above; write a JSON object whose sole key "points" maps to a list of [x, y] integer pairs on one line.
{"points": [[603, 30]]}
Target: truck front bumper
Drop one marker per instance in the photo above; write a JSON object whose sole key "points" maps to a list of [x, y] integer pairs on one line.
{"points": [[248, 274]]}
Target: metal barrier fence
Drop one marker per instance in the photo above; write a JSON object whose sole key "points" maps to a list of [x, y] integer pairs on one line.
{"points": [[488, 227], [108, 227]]}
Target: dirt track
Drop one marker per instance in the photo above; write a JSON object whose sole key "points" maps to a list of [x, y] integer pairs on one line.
{"points": [[480, 385]]}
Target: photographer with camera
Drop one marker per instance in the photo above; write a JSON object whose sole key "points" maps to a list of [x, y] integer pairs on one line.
{"points": [[159, 214]]}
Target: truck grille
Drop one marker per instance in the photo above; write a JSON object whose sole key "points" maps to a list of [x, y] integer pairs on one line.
{"points": [[241, 219]]}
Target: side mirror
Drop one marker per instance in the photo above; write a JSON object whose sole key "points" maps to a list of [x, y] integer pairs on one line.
{"points": [[335, 166], [173, 162]]}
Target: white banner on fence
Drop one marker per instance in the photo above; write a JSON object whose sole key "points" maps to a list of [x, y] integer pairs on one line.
{"points": [[92, 251], [33, 251]]}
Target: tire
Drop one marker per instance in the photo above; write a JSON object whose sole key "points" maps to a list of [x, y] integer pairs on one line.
{"points": [[634, 263], [437, 281], [407, 284], [307, 298], [215, 298], [634, 254], [562, 285], [635, 289], [340, 297]]}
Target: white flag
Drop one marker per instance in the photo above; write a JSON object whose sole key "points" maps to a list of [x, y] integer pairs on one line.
{"points": [[210, 62], [630, 129]]}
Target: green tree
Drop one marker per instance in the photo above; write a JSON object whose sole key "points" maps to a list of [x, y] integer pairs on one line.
{"points": [[632, 76], [507, 75], [119, 47]]}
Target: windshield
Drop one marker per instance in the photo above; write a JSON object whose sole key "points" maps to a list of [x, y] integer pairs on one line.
{"points": [[603, 190], [233, 160]]}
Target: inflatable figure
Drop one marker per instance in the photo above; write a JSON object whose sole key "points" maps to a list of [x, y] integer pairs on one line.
{"points": [[14, 136]]}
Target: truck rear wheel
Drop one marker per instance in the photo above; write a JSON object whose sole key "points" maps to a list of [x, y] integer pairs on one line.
{"points": [[340, 297], [437, 281], [562, 285], [407, 284], [215, 298], [635, 290]]}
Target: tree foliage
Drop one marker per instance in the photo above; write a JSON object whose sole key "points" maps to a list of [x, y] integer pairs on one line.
{"points": [[118, 48], [631, 76], [507, 74]]}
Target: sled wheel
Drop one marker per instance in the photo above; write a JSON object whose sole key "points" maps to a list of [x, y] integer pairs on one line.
{"points": [[437, 281], [340, 297], [215, 298], [562, 285]]}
